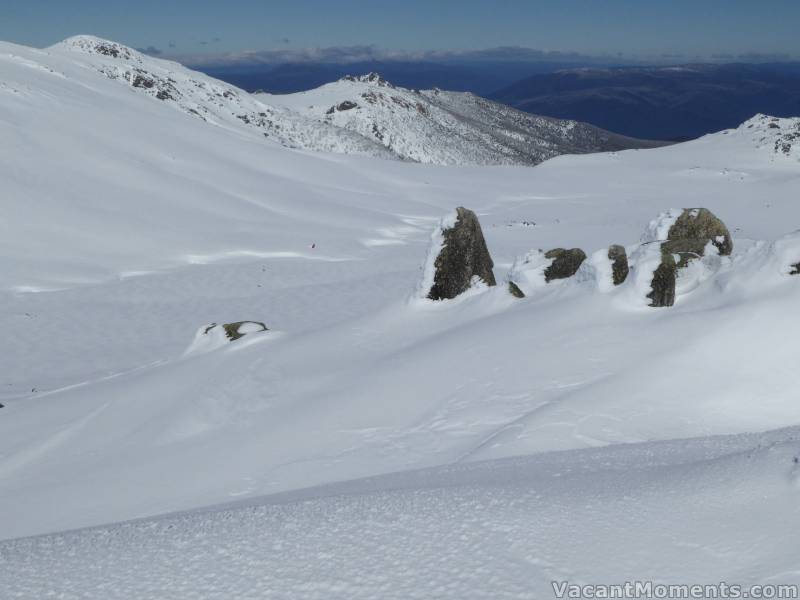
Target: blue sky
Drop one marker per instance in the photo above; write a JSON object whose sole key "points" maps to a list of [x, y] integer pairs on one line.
{"points": [[633, 28]]}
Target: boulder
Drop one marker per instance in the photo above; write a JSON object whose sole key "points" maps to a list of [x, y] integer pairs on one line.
{"points": [[565, 263], [695, 227], [687, 236], [514, 290], [619, 263], [234, 331], [662, 292], [239, 329], [459, 254]]}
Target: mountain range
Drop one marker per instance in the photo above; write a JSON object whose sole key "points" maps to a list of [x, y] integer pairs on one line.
{"points": [[673, 102], [666, 102]]}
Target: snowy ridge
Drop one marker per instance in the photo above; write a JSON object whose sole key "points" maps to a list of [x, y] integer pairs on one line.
{"points": [[211, 100], [777, 136], [450, 128]]}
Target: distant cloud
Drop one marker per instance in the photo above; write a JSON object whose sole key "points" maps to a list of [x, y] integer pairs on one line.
{"points": [[767, 57], [372, 53], [343, 55], [151, 50], [172, 45]]}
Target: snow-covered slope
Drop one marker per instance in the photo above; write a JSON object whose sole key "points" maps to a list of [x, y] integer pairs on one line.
{"points": [[129, 226], [208, 99], [449, 128], [676, 513]]}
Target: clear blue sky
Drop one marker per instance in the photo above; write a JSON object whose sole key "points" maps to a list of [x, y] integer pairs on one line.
{"points": [[631, 27]]}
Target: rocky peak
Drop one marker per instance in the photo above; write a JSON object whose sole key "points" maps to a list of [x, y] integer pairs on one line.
{"points": [[90, 44], [372, 77]]}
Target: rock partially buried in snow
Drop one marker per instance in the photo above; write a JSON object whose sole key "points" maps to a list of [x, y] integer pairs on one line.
{"points": [[683, 236], [565, 263], [619, 263], [213, 336], [457, 258], [234, 331], [514, 290], [662, 287], [536, 269], [695, 227]]}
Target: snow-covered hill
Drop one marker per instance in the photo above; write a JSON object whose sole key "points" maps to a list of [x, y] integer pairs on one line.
{"points": [[207, 99], [431, 127], [129, 227], [449, 128]]}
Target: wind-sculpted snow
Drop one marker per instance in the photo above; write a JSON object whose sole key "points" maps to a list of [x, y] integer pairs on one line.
{"points": [[691, 512], [450, 128]]}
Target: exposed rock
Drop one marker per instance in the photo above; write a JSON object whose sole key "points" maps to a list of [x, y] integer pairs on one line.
{"points": [[699, 226], [342, 106], [795, 269], [234, 331], [619, 263], [239, 329], [463, 256], [2, 405], [565, 263], [514, 290], [686, 239], [663, 284]]}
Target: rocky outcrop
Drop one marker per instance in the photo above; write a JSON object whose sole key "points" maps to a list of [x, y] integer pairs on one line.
{"points": [[619, 263], [462, 256], [687, 238], [239, 329], [514, 290], [565, 263], [694, 228], [662, 292]]}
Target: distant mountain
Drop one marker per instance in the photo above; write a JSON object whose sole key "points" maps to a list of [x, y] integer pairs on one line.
{"points": [[480, 78], [365, 115], [434, 126], [669, 103]]}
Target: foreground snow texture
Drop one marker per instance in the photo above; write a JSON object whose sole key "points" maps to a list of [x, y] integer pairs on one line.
{"points": [[113, 411], [718, 509]]}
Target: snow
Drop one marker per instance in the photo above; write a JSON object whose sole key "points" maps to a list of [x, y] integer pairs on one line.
{"points": [[698, 511], [658, 229], [119, 243], [445, 128]]}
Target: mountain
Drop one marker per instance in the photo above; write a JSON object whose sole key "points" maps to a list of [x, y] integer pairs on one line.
{"points": [[208, 99], [371, 443], [434, 126], [668, 103], [453, 130], [478, 77]]}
